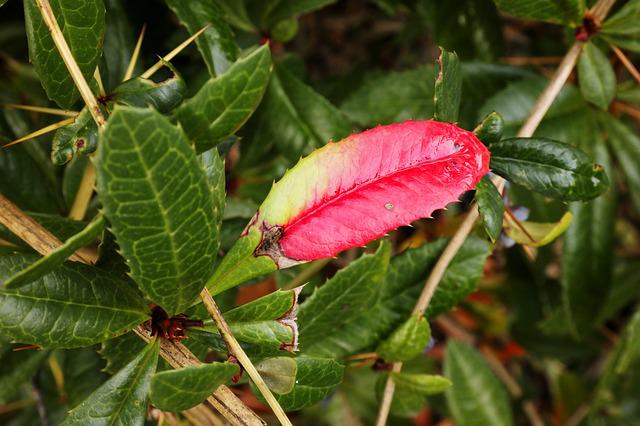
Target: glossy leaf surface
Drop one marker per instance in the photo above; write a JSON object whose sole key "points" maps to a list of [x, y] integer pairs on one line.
{"points": [[141, 92], [121, 400], [554, 169], [159, 204], [181, 389], [82, 22], [491, 207], [407, 341], [226, 102], [73, 305]]}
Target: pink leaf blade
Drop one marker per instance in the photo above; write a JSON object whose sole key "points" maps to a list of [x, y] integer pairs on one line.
{"points": [[351, 192]]}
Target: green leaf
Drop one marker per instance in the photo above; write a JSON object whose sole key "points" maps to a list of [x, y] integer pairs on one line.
{"points": [[407, 341], [597, 79], [216, 44], [295, 117], [552, 168], [491, 207], [74, 305], [279, 373], [626, 147], [226, 102], [73, 173], [119, 42], [121, 400], [622, 29], [268, 324], [567, 12], [81, 136], [402, 284], [345, 296], [240, 265], [213, 167], [490, 129], [448, 87], [17, 368], [179, 390], [536, 234], [477, 397], [119, 351], [315, 380], [421, 384], [392, 97], [62, 227], [587, 254], [55, 258], [270, 307], [142, 92], [82, 23], [159, 205]]}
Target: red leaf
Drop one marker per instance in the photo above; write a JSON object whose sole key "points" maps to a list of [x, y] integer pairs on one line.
{"points": [[348, 193]]}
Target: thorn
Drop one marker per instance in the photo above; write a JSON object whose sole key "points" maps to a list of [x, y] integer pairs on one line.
{"points": [[44, 130], [169, 56], [45, 110], [134, 55]]}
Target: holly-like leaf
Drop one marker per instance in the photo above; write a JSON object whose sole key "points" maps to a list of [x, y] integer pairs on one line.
{"points": [[226, 102], [390, 176], [179, 390], [491, 207], [345, 296], [82, 23], [552, 168], [407, 341], [587, 254], [142, 92], [74, 305], [597, 79], [477, 397], [316, 378], [216, 44], [156, 197], [537, 234], [268, 325], [568, 12], [622, 29], [56, 257], [121, 400], [295, 118], [403, 282], [448, 87]]}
